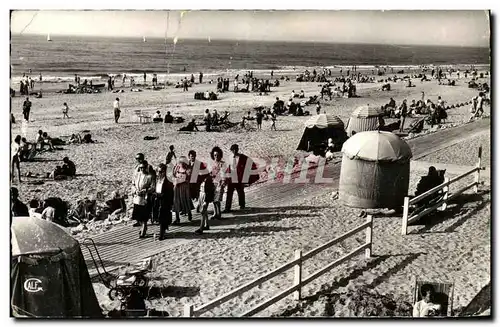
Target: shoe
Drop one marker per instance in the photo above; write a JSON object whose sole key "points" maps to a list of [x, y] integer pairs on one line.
{"points": [[190, 218], [226, 211], [206, 228], [176, 222], [199, 231], [136, 224], [242, 207], [141, 236]]}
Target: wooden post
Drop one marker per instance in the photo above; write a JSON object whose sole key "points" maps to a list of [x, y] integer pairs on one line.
{"points": [[369, 231], [297, 279], [406, 208], [478, 166], [188, 310], [446, 190]]}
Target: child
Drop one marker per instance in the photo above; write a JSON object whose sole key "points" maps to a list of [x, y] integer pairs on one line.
{"points": [[425, 307], [206, 197], [273, 119], [65, 110], [171, 155]]}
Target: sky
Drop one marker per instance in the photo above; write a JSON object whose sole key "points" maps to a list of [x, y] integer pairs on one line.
{"points": [[452, 27]]}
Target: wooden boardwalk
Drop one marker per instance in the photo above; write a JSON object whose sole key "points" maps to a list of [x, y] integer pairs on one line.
{"points": [[121, 245]]}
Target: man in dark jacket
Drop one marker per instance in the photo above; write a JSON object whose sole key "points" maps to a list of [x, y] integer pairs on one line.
{"points": [[163, 199], [236, 173]]}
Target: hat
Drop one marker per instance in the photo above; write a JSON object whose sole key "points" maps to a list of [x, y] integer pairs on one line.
{"points": [[234, 147]]}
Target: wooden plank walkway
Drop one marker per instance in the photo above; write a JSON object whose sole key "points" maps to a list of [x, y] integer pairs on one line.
{"points": [[121, 245]]}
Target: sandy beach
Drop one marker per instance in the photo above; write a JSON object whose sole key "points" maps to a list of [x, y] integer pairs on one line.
{"points": [[456, 247]]}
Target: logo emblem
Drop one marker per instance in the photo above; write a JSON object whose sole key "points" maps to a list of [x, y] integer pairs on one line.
{"points": [[33, 285]]}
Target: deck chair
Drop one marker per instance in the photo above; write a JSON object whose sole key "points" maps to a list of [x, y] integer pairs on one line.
{"points": [[138, 114], [443, 294]]}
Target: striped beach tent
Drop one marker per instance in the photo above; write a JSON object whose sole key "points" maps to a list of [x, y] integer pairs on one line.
{"points": [[318, 129], [364, 118], [324, 121]]}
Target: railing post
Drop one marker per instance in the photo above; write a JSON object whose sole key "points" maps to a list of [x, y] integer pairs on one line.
{"points": [[406, 208], [446, 190], [369, 231], [297, 279], [188, 310], [478, 167]]}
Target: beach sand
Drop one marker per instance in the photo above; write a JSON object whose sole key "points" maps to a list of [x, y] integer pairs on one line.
{"points": [[197, 272]]}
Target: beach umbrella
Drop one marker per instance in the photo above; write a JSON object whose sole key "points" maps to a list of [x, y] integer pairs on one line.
{"points": [[376, 146], [366, 111], [35, 236], [324, 121]]}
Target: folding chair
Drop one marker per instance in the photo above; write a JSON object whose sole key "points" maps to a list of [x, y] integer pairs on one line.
{"points": [[139, 114], [443, 295]]}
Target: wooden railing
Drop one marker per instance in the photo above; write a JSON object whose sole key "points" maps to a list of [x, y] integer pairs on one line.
{"points": [[442, 204], [299, 281]]}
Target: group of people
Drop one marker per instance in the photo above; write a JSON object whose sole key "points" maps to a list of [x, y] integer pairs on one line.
{"points": [[174, 185]]}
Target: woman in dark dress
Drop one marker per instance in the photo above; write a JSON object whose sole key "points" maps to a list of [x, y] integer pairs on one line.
{"points": [[182, 197]]}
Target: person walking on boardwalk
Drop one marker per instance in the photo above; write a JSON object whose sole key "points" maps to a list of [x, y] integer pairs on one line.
{"points": [[163, 200], [206, 197], [143, 186], [116, 108], [182, 198], [235, 172], [217, 176]]}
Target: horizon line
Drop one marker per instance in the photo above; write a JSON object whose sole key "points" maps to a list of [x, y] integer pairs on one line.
{"points": [[244, 40]]}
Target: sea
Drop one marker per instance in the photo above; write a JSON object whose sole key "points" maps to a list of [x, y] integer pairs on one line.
{"points": [[97, 57]]}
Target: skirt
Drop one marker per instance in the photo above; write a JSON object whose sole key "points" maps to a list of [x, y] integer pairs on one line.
{"points": [[140, 213], [219, 192], [182, 198]]}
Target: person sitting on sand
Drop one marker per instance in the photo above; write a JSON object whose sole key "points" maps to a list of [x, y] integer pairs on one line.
{"points": [[157, 117], [330, 149], [191, 127], [169, 119], [278, 105], [425, 307], [69, 167], [302, 94], [116, 204], [46, 139], [57, 174], [215, 118], [28, 150], [433, 179], [224, 118], [75, 139]]}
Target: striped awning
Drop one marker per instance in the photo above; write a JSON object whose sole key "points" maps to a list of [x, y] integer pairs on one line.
{"points": [[324, 121], [366, 111]]}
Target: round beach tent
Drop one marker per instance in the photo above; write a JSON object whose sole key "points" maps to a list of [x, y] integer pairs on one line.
{"points": [[49, 277], [375, 171], [318, 129], [364, 118]]}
